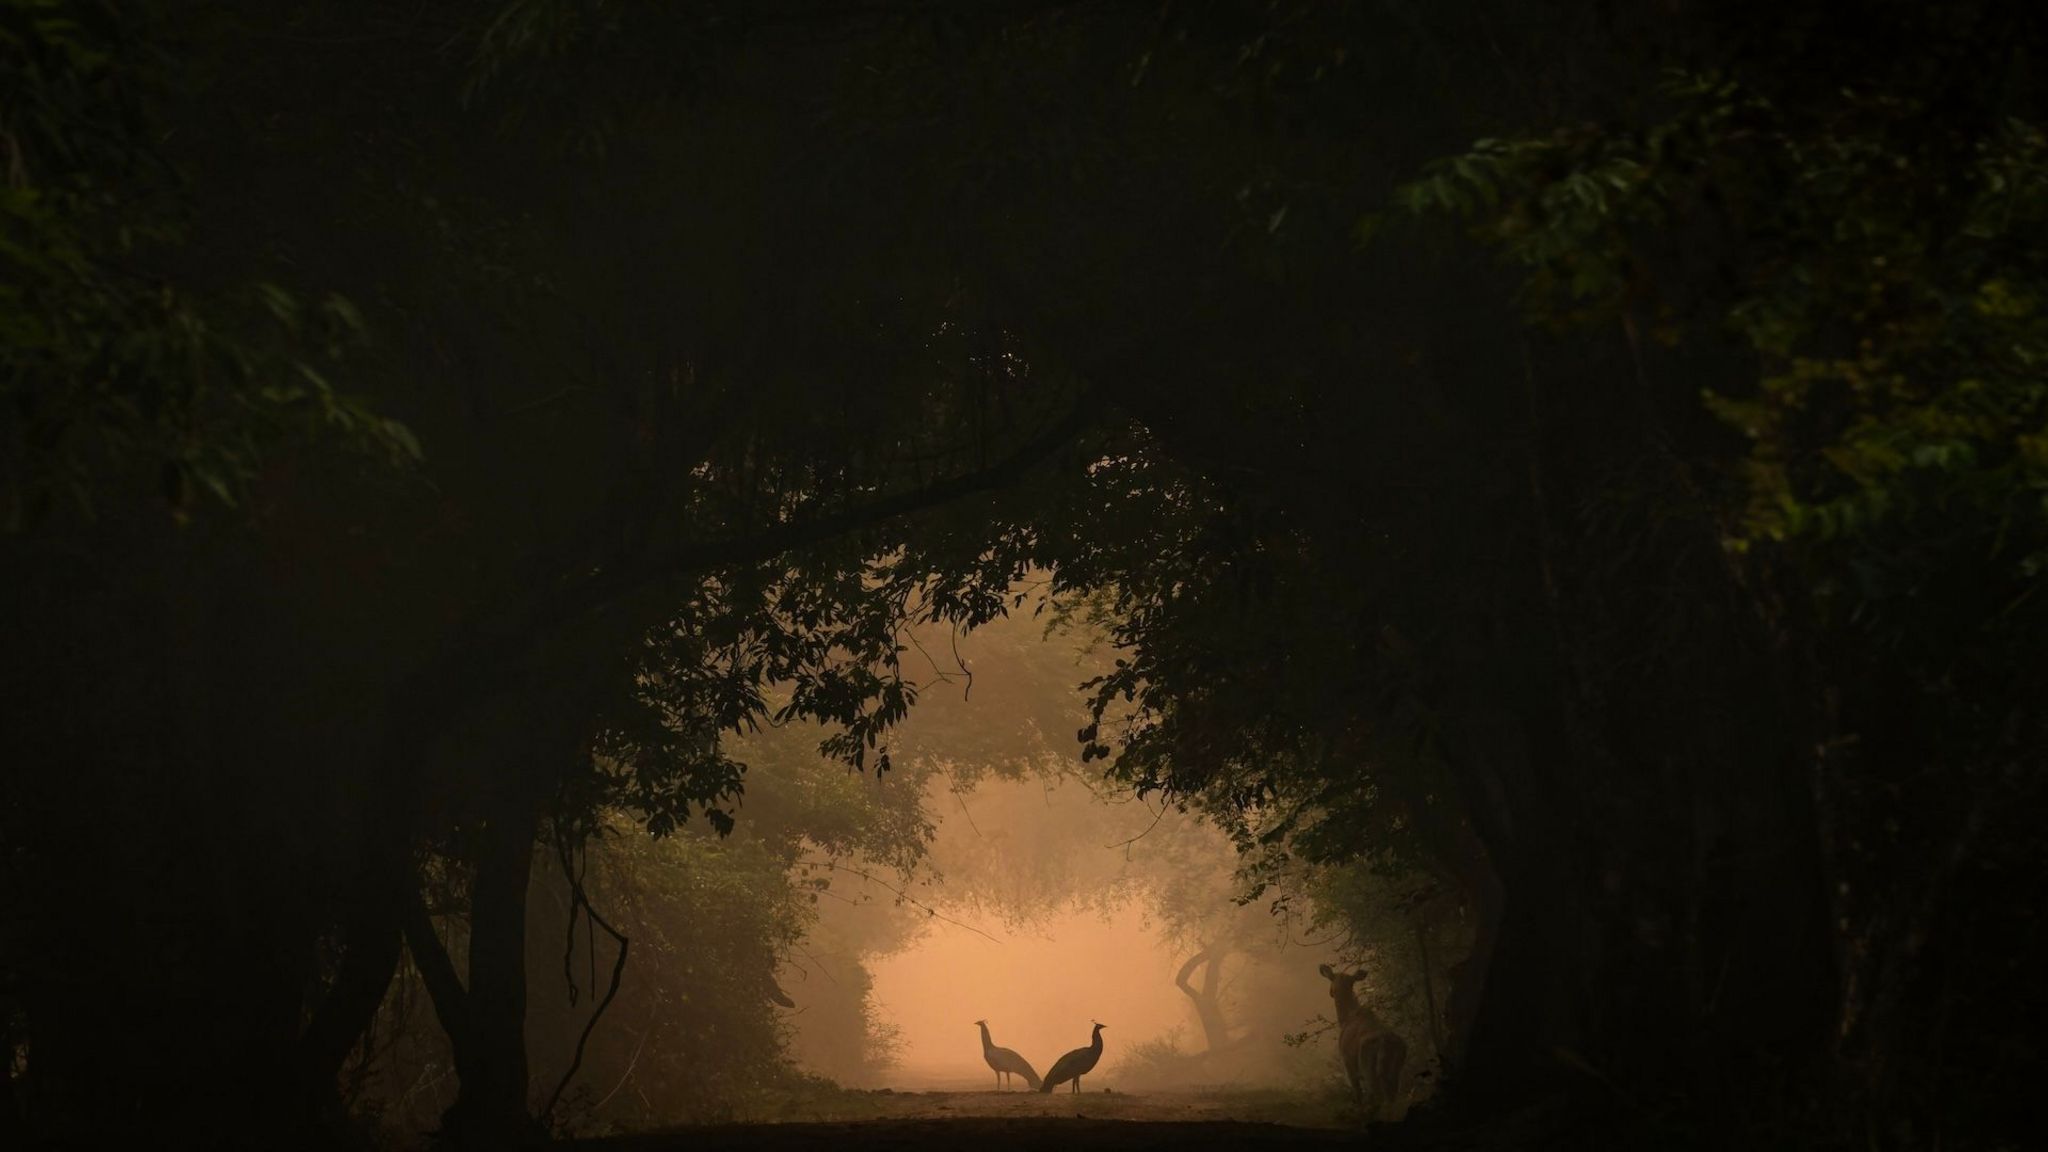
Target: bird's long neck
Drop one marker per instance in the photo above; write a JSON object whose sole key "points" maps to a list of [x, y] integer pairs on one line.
{"points": [[1095, 1044], [986, 1043]]}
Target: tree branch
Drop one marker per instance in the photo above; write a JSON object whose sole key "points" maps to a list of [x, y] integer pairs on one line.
{"points": [[579, 897], [907, 898], [605, 589], [485, 658]]}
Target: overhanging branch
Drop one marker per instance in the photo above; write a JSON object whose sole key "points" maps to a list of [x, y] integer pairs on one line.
{"points": [[486, 658], [605, 589]]}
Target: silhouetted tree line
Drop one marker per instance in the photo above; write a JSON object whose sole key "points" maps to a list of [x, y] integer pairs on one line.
{"points": [[1592, 453]]}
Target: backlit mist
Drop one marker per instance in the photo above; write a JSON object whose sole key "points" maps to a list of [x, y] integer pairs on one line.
{"points": [[1043, 905], [1038, 988]]}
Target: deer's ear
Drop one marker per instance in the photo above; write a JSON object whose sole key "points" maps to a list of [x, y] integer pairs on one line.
{"points": [[1325, 970]]}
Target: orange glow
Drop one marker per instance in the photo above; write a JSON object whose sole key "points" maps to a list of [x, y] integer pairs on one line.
{"points": [[1039, 989]]}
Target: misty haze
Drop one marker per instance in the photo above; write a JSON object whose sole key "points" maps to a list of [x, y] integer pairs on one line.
{"points": [[986, 877]]}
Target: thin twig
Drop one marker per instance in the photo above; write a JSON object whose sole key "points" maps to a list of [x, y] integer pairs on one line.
{"points": [[906, 897], [631, 1063], [940, 675], [618, 972], [814, 959], [970, 816], [968, 672], [1126, 845]]}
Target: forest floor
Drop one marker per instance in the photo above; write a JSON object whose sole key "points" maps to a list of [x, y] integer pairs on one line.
{"points": [[990, 1121]]}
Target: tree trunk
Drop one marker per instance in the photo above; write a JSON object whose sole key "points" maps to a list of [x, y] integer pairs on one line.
{"points": [[1208, 999], [11, 1125], [493, 1110], [1438, 1043], [1487, 898], [437, 973], [351, 1004], [1639, 970]]}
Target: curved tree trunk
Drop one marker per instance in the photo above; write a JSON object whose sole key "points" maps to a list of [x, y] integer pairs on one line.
{"points": [[437, 973], [351, 1004], [485, 1022], [1207, 999]]}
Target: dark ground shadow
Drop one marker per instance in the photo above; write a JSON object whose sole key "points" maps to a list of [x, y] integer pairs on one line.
{"points": [[983, 1134], [985, 1121]]}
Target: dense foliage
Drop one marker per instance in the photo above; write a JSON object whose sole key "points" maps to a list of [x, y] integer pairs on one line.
{"points": [[119, 368]]}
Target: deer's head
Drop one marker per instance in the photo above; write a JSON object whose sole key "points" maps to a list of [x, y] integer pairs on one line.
{"points": [[1341, 983]]}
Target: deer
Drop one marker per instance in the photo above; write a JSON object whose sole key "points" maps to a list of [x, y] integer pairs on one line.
{"points": [[1372, 1053]]}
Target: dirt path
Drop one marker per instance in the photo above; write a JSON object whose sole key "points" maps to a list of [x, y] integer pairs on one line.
{"points": [[1002, 1122], [986, 1134]]}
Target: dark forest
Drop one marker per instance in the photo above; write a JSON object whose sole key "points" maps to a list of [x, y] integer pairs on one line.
{"points": [[516, 516]]}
